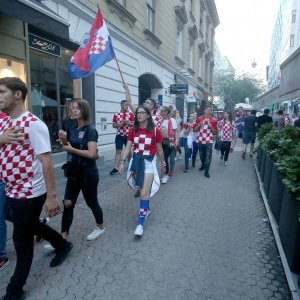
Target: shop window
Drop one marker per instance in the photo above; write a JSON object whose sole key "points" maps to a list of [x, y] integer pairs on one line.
{"points": [[51, 89]]}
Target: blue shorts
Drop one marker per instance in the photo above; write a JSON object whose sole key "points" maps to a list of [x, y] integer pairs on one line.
{"points": [[249, 137], [120, 141]]}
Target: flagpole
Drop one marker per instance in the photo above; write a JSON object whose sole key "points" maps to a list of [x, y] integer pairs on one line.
{"points": [[119, 69]]}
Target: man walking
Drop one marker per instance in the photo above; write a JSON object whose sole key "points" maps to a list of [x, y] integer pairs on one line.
{"points": [[264, 119], [122, 121], [207, 127], [26, 169], [250, 124]]}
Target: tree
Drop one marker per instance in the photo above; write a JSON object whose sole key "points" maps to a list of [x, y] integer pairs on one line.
{"points": [[237, 88]]}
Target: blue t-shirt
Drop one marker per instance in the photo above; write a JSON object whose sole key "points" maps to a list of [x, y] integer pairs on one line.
{"points": [[79, 139]]}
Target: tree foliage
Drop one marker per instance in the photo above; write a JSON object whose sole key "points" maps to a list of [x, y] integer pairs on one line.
{"points": [[237, 87]]}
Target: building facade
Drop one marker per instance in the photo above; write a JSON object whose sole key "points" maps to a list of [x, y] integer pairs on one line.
{"points": [[157, 43]]}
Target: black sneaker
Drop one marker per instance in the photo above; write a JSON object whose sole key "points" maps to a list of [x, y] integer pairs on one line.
{"points": [[114, 171], [137, 194], [206, 174], [186, 170], [201, 168], [15, 296], [61, 255]]}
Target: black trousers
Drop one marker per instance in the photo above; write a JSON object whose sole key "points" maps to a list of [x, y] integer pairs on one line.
{"points": [[167, 152], [88, 184], [225, 149], [205, 155], [25, 215]]}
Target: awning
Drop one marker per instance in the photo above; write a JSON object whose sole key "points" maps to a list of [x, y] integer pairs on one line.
{"points": [[36, 14]]}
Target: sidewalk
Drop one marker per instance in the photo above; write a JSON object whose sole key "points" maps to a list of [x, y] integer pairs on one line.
{"points": [[205, 239]]}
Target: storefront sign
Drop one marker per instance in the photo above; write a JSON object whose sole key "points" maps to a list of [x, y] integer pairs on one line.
{"points": [[179, 89], [43, 45]]}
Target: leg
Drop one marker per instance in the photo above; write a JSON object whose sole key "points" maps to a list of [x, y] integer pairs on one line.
{"points": [[73, 188], [202, 151], [194, 155], [208, 159], [167, 151], [227, 150], [172, 161], [117, 158], [186, 155], [119, 146], [223, 147], [3, 229]]}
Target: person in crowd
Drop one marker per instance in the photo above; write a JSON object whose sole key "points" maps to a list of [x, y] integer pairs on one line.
{"points": [[297, 122], [239, 119], [187, 134], [30, 185], [195, 149], [146, 140], [227, 130], [68, 123], [175, 115], [206, 126], [264, 119], [278, 120], [250, 124], [122, 121], [4, 261], [83, 148], [150, 103], [288, 120], [170, 137]]}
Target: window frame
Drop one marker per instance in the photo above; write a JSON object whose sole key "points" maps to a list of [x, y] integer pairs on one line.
{"points": [[151, 15], [179, 43]]}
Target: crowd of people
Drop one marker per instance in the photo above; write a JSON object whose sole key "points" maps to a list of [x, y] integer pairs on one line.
{"points": [[27, 185]]}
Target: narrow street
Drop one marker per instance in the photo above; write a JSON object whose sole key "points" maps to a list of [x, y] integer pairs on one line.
{"points": [[205, 239]]}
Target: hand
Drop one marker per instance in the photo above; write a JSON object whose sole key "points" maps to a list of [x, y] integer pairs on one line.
{"points": [[163, 170], [123, 122], [12, 135], [62, 137], [68, 147], [52, 206]]}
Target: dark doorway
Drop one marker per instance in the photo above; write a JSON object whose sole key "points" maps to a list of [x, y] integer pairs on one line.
{"points": [[147, 82]]}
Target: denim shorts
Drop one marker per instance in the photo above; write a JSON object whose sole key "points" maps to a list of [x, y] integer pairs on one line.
{"points": [[249, 137], [120, 141]]}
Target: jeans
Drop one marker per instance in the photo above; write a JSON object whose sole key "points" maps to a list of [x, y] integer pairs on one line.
{"points": [[167, 152], [195, 151], [3, 229], [187, 154], [172, 160], [205, 155], [88, 184], [25, 217], [225, 149]]}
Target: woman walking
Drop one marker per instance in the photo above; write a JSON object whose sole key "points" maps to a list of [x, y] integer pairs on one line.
{"points": [[227, 129], [146, 140], [83, 148]]}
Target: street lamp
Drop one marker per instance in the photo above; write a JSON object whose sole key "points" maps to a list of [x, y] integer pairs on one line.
{"points": [[254, 64]]}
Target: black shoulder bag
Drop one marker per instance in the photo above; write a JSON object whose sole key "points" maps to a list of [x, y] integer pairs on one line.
{"points": [[73, 170]]}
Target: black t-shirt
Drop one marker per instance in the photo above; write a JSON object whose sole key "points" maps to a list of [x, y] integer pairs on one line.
{"points": [[297, 123], [263, 120], [80, 137], [250, 123]]}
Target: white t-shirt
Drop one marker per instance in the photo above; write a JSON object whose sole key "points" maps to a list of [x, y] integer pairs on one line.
{"points": [[166, 122], [20, 168]]}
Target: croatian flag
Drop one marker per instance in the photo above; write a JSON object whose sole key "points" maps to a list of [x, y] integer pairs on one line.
{"points": [[95, 50]]}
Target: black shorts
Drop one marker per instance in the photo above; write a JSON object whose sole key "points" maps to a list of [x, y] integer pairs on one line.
{"points": [[249, 137], [120, 141]]}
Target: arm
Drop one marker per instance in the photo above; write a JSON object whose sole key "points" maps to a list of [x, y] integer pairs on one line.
{"points": [[160, 153], [52, 203], [91, 153], [128, 99], [125, 155]]}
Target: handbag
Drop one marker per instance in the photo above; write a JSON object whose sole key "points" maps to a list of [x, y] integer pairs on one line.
{"points": [[74, 170]]}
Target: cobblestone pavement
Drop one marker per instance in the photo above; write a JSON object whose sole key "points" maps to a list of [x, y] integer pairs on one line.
{"points": [[205, 239]]}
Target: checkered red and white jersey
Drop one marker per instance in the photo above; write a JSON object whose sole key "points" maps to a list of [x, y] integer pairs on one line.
{"points": [[144, 143], [157, 119], [288, 120], [20, 167], [227, 129], [205, 135], [118, 117]]}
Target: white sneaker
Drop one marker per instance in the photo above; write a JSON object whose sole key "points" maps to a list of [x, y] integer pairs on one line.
{"points": [[139, 230], [95, 233], [165, 179], [49, 247], [225, 163], [147, 214]]}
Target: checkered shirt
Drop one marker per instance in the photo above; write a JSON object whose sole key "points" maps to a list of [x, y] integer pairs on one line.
{"points": [[288, 120], [205, 135], [118, 117], [227, 130], [16, 160], [157, 119]]}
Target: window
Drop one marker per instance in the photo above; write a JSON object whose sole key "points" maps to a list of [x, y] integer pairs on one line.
{"points": [[293, 16], [200, 67], [122, 2], [150, 15], [292, 37], [179, 43], [201, 21], [191, 57]]}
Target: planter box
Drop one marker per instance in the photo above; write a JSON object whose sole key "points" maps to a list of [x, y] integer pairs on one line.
{"points": [[289, 230], [262, 165], [267, 174], [259, 153], [275, 193]]}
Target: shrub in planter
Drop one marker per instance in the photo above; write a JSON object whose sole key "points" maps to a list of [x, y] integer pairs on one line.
{"points": [[267, 174]]}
